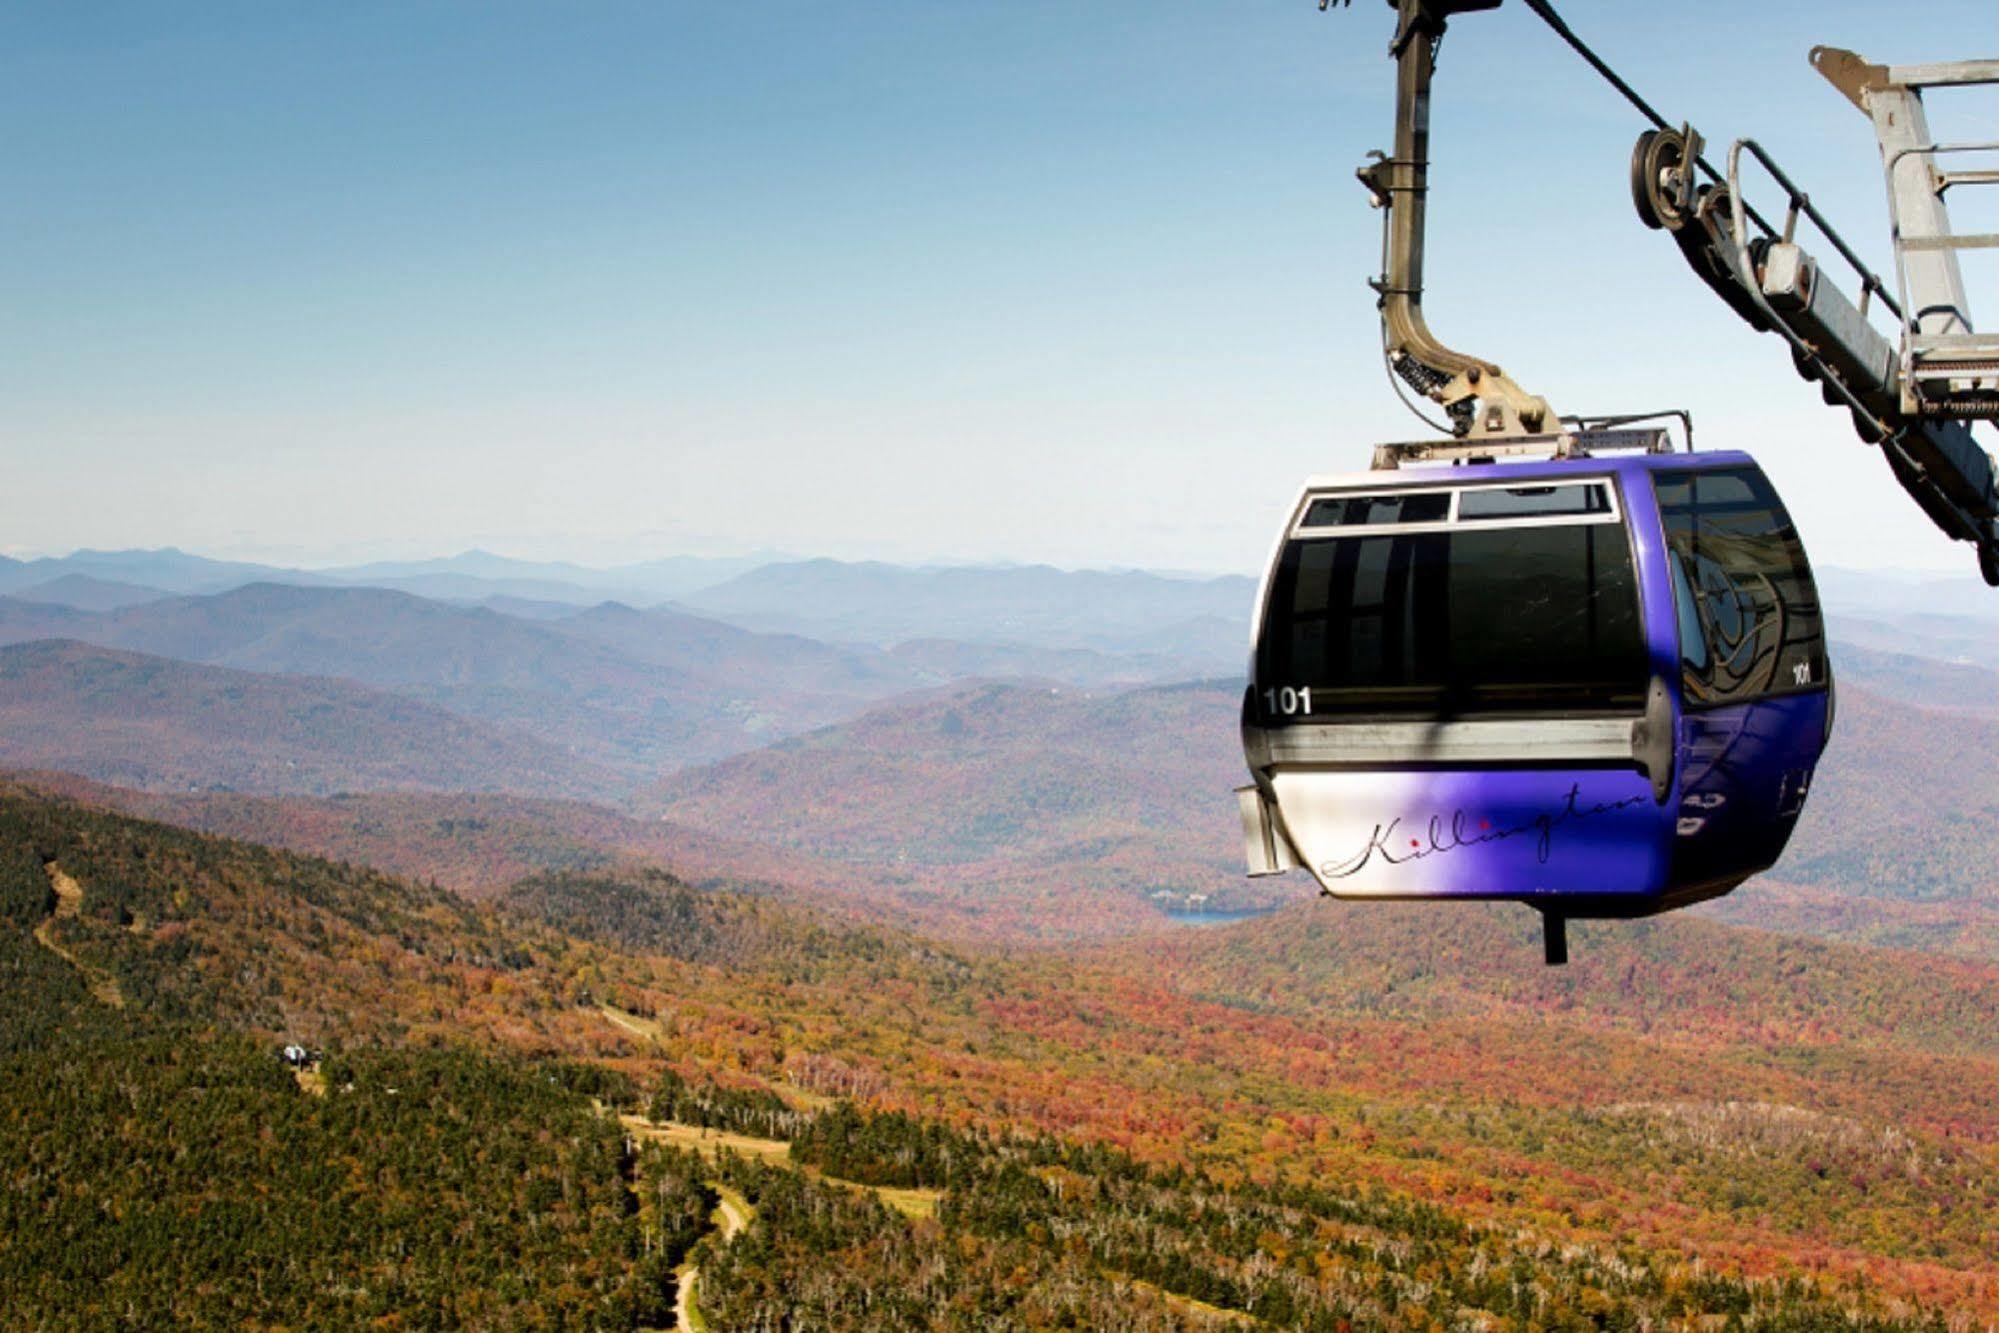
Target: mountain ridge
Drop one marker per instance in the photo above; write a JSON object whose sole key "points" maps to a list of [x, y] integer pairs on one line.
{"points": [[162, 723]]}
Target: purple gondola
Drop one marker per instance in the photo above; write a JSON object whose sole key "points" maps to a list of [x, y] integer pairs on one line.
{"points": [[1594, 685]]}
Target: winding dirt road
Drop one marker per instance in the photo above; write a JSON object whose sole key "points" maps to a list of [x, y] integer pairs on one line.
{"points": [[69, 903], [731, 1215]]}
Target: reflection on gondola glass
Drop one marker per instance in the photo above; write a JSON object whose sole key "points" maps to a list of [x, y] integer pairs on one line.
{"points": [[1353, 511], [1532, 501], [1510, 618], [1748, 613]]}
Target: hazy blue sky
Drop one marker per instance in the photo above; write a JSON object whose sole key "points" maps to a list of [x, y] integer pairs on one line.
{"points": [[1063, 281]]}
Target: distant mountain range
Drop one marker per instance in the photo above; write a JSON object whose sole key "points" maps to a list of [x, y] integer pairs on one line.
{"points": [[470, 576], [165, 570], [1956, 592], [478, 574], [1156, 626], [1203, 623], [889, 602], [1077, 796], [1082, 813], [613, 688], [1947, 638], [639, 692]]}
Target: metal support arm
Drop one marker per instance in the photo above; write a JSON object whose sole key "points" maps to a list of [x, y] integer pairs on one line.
{"points": [[1480, 398]]}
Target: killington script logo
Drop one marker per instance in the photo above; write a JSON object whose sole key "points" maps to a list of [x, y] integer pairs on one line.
{"points": [[1448, 833]]}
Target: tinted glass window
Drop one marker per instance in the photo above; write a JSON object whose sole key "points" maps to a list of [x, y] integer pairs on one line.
{"points": [[1528, 618], [1346, 511], [1747, 608], [1533, 501]]}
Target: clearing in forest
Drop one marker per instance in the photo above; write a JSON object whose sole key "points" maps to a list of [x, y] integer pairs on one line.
{"points": [[772, 1152], [69, 903]]}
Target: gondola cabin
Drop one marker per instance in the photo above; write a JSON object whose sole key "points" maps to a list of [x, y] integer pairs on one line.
{"points": [[1595, 685]]}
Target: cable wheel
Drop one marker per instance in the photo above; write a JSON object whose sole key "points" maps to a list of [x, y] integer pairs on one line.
{"points": [[1656, 162]]}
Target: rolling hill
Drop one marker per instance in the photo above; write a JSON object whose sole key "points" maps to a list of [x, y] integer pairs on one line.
{"points": [[641, 714], [1058, 811], [478, 844], [1074, 809], [1899, 844], [638, 692], [153, 722], [1923, 681], [787, 669], [481, 665], [794, 668], [84, 593], [997, 771], [1906, 807]]}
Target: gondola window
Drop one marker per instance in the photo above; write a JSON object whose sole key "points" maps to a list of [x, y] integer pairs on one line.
{"points": [[1748, 611], [1531, 611]]}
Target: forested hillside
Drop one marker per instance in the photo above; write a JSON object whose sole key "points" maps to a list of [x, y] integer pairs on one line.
{"points": [[158, 1165], [1899, 844], [1074, 813], [1053, 811], [1114, 1243], [1904, 807], [1305, 1118], [477, 844]]}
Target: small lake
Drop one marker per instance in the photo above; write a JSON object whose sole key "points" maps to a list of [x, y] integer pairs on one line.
{"points": [[1206, 918]]}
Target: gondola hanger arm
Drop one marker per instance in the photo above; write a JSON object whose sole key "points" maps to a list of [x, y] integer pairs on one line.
{"points": [[1481, 399]]}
